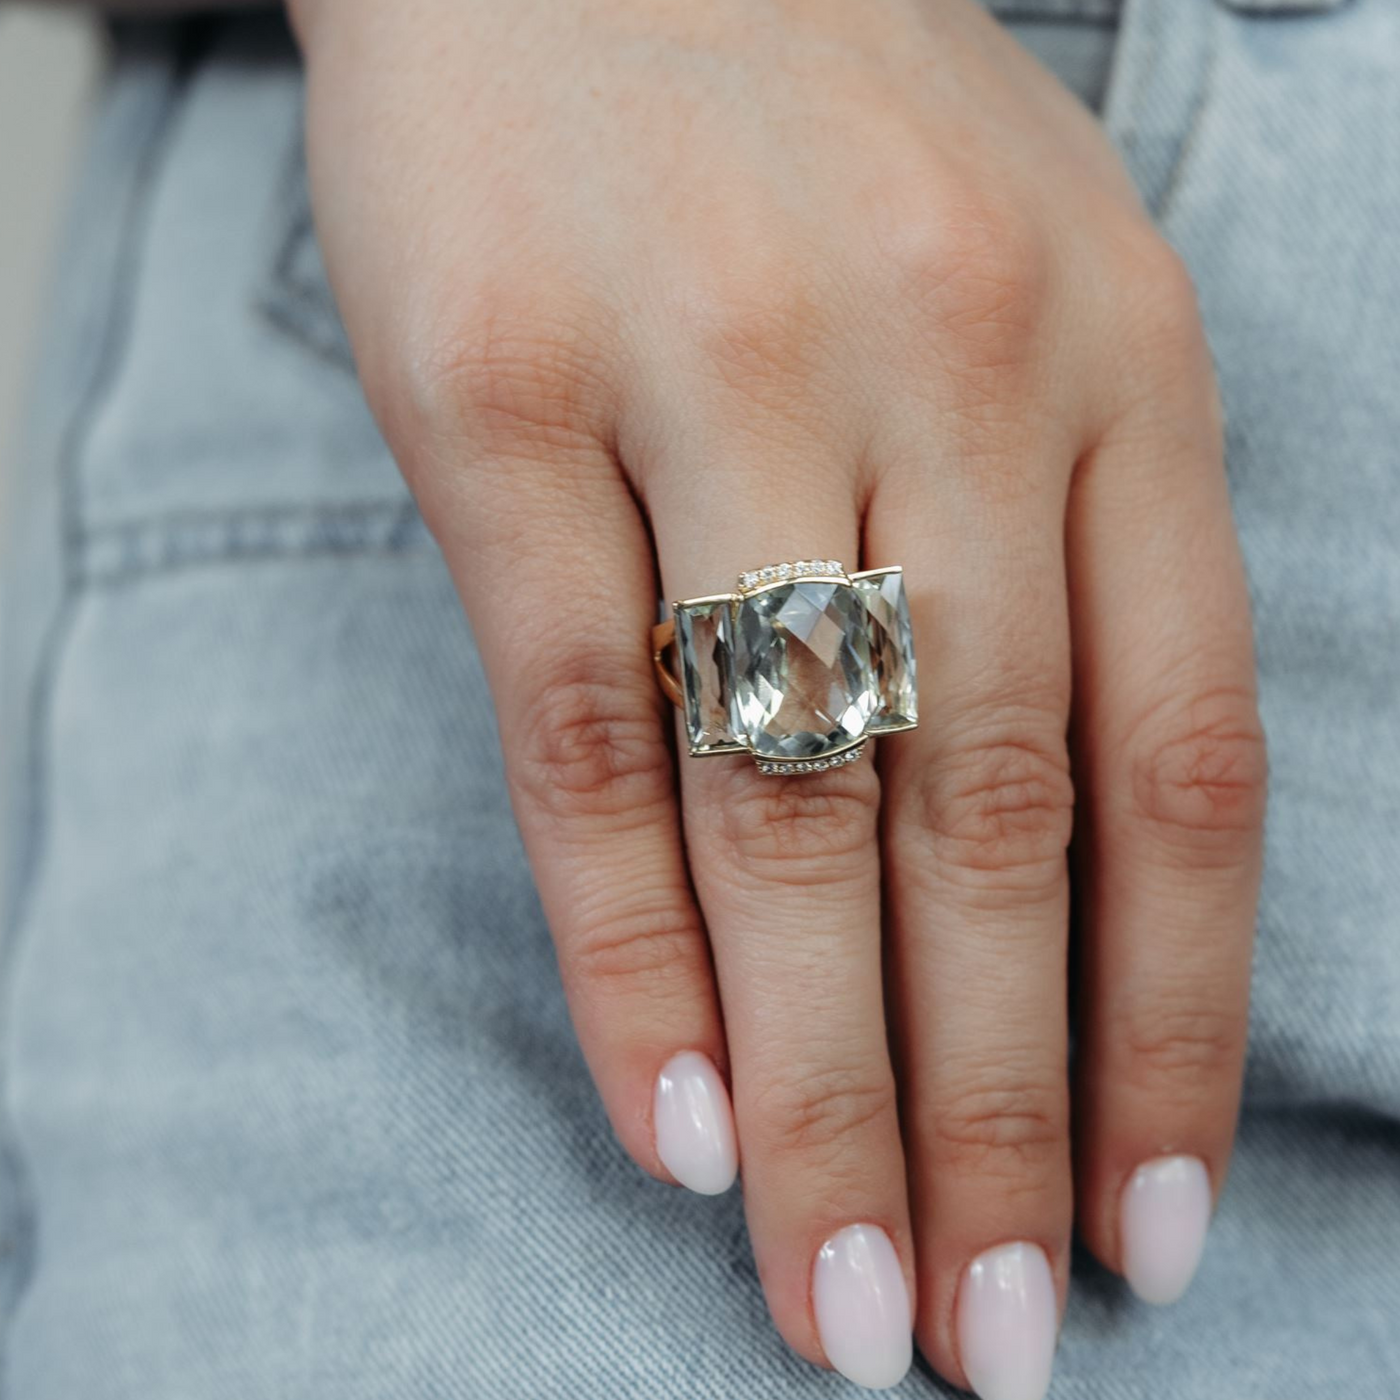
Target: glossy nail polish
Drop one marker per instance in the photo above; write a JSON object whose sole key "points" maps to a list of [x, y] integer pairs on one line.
{"points": [[694, 1124], [1007, 1322], [862, 1307], [1166, 1212]]}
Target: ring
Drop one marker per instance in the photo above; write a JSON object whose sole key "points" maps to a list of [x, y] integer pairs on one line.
{"points": [[800, 666]]}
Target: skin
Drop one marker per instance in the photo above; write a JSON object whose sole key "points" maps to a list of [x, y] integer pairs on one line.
{"points": [[644, 293]]}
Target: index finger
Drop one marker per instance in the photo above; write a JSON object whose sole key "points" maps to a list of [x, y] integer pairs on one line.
{"points": [[549, 552]]}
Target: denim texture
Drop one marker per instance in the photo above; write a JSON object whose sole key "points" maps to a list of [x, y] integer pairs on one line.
{"points": [[291, 1104]]}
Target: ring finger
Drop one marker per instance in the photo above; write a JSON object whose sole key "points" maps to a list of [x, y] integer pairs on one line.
{"points": [[787, 872]]}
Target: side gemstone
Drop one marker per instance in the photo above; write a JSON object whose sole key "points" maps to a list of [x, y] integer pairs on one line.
{"points": [[704, 644], [891, 645]]}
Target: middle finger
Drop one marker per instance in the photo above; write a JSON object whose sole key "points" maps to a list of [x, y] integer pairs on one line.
{"points": [[978, 814]]}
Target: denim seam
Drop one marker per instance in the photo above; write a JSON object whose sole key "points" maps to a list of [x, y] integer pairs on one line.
{"points": [[1073, 11], [73, 439], [1157, 89], [1205, 91], [114, 554]]}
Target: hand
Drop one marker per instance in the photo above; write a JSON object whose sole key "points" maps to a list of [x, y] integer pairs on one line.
{"points": [[718, 285]]}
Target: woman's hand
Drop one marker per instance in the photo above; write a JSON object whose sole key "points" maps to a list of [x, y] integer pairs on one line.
{"points": [[728, 283]]}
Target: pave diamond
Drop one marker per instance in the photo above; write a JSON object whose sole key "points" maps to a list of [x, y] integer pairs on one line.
{"points": [[703, 642], [891, 647], [803, 679], [787, 769], [771, 573]]}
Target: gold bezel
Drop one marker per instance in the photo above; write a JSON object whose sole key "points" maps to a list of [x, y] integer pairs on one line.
{"points": [[902, 727]]}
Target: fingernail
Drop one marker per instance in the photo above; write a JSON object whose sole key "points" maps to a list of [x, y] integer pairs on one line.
{"points": [[1006, 1322], [862, 1307], [695, 1124], [1166, 1212]]}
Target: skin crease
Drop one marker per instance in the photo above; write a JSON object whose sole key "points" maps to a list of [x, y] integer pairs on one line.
{"points": [[753, 279]]}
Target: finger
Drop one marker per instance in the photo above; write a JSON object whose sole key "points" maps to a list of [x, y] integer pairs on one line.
{"points": [[977, 822], [1172, 760], [551, 557], [787, 871]]}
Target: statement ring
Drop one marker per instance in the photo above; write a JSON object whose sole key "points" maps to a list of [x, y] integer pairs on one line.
{"points": [[800, 666]]}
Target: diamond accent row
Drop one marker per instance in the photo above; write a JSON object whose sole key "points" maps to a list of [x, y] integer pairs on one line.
{"points": [[813, 765], [801, 568]]}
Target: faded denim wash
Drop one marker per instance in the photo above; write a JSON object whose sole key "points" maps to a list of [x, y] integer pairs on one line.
{"points": [[291, 1105]]}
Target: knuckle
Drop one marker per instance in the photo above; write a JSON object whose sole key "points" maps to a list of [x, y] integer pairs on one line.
{"points": [[1193, 1044], [1002, 807], [1202, 776], [822, 1111], [1155, 300], [975, 275], [591, 745], [647, 946], [804, 829], [759, 332], [1013, 1129], [517, 377]]}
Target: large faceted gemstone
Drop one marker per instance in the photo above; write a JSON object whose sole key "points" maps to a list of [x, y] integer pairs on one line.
{"points": [[703, 642], [891, 649], [803, 683]]}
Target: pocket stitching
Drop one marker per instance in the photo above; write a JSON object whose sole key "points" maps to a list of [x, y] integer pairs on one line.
{"points": [[294, 299]]}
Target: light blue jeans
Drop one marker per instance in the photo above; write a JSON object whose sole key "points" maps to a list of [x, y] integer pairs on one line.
{"points": [[291, 1106]]}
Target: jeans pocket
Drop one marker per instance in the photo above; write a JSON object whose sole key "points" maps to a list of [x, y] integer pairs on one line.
{"points": [[235, 394], [228, 422]]}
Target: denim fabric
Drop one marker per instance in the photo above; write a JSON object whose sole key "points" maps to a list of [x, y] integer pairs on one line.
{"points": [[291, 1105]]}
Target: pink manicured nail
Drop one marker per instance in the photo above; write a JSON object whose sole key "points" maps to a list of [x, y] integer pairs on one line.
{"points": [[862, 1307], [1166, 1212], [695, 1124], [1006, 1322]]}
